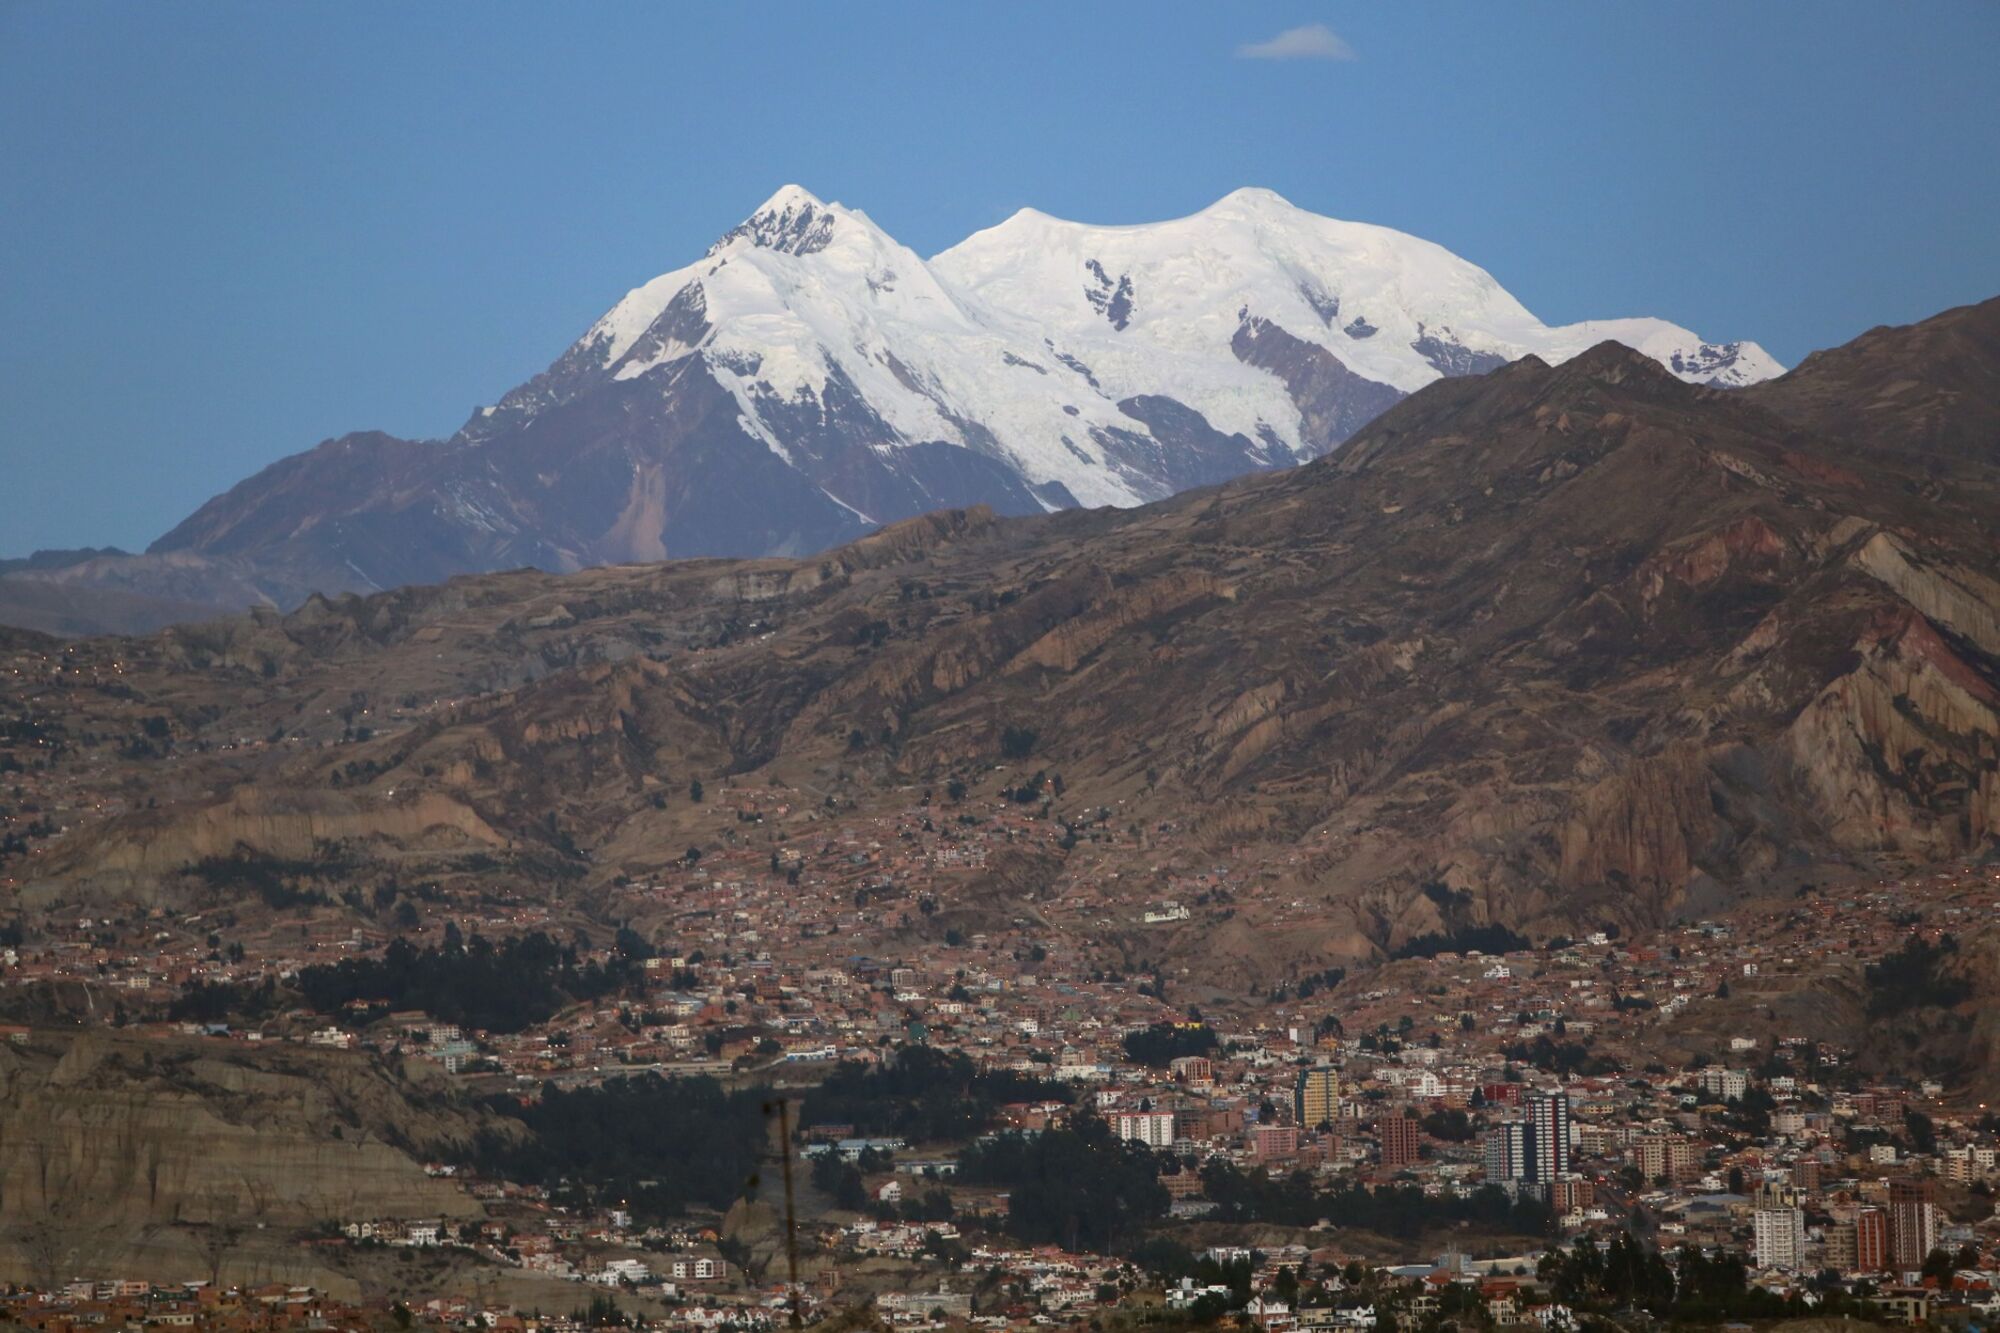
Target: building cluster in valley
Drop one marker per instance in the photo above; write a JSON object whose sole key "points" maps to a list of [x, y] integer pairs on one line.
{"points": [[1533, 1071], [1623, 1083]]}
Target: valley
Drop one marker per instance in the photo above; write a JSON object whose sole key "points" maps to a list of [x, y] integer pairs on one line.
{"points": [[1265, 669]]}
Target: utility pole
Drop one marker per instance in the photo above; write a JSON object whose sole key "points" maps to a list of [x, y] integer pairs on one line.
{"points": [[784, 1106]]}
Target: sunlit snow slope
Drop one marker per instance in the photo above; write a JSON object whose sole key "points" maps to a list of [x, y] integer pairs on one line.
{"points": [[1029, 342]]}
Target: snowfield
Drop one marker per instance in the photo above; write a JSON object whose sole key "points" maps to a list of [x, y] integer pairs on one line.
{"points": [[1021, 342]]}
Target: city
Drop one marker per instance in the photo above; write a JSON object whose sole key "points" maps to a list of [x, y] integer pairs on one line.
{"points": [[1121, 668]]}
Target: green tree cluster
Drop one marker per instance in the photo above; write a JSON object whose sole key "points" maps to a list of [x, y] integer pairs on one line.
{"points": [[653, 1144], [1080, 1186], [921, 1093]]}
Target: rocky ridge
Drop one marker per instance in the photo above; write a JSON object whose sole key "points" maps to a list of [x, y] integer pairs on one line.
{"points": [[1561, 645]]}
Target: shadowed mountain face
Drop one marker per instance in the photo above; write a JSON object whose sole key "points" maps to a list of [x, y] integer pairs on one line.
{"points": [[1931, 390], [1551, 646], [809, 378]]}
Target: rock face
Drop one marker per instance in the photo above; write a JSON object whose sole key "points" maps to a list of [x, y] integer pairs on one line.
{"points": [[1868, 744], [1567, 645], [179, 1156], [288, 825], [810, 378]]}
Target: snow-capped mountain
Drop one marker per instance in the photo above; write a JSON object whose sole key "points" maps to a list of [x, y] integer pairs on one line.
{"points": [[1029, 341], [810, 377]]}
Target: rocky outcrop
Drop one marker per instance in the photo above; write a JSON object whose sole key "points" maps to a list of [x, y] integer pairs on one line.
{"points": [[283, 823], [1749, 545], [1333, 401], [1640, 827], [180, 1156], [1962, 600], [1899, 753], [1066, 646]]}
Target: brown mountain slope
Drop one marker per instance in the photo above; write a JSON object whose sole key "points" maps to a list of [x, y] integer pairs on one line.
{"points": [[1580, 644], [1931, 388], [125, 594]]}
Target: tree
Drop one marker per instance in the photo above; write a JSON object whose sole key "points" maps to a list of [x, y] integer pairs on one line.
{"points": [[603, 1312], [840, 1181], [626, 1139], [505, 987], [215, 1241], [1080, 1186], [1449, 1124], [1914, 977], [1923, 1134], [1486, 939], [694, 790], [1162, 1043], [922, 1094], [1402, 1211]]}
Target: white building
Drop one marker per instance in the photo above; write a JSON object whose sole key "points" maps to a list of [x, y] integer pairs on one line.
{"points": [[1728, 1084], [1155, 1129], [1780, 1238], [623, 1270]]}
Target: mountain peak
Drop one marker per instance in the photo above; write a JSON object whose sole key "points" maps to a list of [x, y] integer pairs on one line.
{"points": [[1253, 197], [1613, 362], [789, 198], [794, 221]]}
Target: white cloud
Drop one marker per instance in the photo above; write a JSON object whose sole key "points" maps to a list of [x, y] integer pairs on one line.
{"points": [[1313, 41]]}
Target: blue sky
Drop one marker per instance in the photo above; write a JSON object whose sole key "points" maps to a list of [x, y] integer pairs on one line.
{"points": [[228, 231]]}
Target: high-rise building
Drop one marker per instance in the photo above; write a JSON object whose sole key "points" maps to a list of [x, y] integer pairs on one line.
{"points": [[1780, 1234], [1316, 1097], [1401, 1139], [1507, 1152], [1548, 1135], [1912, 1223], [1155, 1129], [1571, 1193], [1841, 1247], [1871, 1240], [1668, 1156]]}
